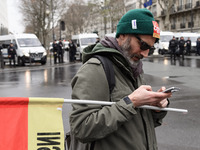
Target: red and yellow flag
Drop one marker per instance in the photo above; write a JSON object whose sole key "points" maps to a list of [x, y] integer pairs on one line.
{"points": [[31, 123]]}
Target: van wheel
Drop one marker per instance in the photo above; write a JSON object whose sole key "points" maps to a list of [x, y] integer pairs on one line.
{"points": [[43, 62]]}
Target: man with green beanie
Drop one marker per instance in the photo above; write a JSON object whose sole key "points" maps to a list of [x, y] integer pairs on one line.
{"points": [[122, 126]]}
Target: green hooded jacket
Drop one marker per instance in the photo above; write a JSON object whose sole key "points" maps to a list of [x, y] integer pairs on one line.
{"points": [[116, 127]]}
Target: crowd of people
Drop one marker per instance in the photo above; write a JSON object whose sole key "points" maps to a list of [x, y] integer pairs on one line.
{"points": [[58, 51], [182, 47]]}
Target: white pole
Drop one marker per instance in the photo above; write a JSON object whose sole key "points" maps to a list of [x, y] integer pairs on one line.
{"points": [[77, 101]]}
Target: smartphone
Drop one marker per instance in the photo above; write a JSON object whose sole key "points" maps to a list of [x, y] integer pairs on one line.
{"points": [[171, 90]]}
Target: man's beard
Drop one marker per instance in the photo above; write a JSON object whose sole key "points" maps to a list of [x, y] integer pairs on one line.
{"points": [[126, 48]]}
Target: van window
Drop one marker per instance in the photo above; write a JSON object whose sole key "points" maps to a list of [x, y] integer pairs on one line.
{"points": [[165, 38], [193, 39], [88, 41], [29, 42], [5, 43]]}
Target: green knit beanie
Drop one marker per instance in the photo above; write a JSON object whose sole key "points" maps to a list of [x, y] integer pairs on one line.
{"points": [[138, 21]]}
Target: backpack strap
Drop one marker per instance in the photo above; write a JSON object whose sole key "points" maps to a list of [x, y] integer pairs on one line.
{"points": [[109, 70]]}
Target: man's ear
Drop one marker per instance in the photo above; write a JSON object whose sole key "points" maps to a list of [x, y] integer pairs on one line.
{"points": [[122, 36], [121, 39]]}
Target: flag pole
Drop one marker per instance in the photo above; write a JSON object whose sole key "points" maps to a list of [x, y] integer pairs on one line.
{"points": [[94, 102]]}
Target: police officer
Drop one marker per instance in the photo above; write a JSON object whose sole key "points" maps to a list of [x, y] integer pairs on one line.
{"points": [[173, 46], [72, 51], [188, 46], [11, 54], [198, 46], [55, 51], [182, 46], [60, 51]]}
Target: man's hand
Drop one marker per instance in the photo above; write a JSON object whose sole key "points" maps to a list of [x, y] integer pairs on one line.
{"points": [[145, 96]]}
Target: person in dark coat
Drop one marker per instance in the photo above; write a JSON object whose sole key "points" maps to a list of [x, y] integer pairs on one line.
{"points": [[188, 46], [11, 54], [60, 51], [182, 47], [55, 51], [198, 46], [72, 51], [173, 46]]}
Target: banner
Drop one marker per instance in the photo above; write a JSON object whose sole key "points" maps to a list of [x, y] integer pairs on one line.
{"points": [[148, 3], [31, 123]]}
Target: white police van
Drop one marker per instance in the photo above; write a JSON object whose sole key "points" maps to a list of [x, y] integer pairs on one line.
{"points": [[28, 48], [163, 45], [111, 34], [82, 41], [193, 37]]}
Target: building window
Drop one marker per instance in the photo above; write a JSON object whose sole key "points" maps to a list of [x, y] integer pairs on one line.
{"points": [[183, 19], [188, 4], [180, 6], [173, 24], [182, 25], [180, 2]]}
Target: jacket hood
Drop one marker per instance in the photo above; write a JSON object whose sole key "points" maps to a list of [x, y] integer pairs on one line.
{"points": [[99, 49], [109, 47]]}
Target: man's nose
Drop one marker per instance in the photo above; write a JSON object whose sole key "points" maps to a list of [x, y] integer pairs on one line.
{"points": [[145, 53]]}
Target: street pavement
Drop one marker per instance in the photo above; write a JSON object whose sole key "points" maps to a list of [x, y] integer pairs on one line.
{"points": [[178, 132]]}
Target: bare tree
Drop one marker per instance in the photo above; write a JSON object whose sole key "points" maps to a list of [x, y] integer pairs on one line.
{"points": [[76, 16], [116, 11], [166, 6], [40, 16]]}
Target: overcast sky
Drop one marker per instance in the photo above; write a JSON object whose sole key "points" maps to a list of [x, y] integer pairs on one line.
{"points": [[15, 19]]}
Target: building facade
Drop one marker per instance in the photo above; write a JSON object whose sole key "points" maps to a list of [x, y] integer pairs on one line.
{"points": [[104, 17], [175, 16], [184, 15], [3, 17]]}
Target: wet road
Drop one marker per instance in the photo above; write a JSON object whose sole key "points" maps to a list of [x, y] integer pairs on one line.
{"points": [[179, 131], [189, 61]]}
